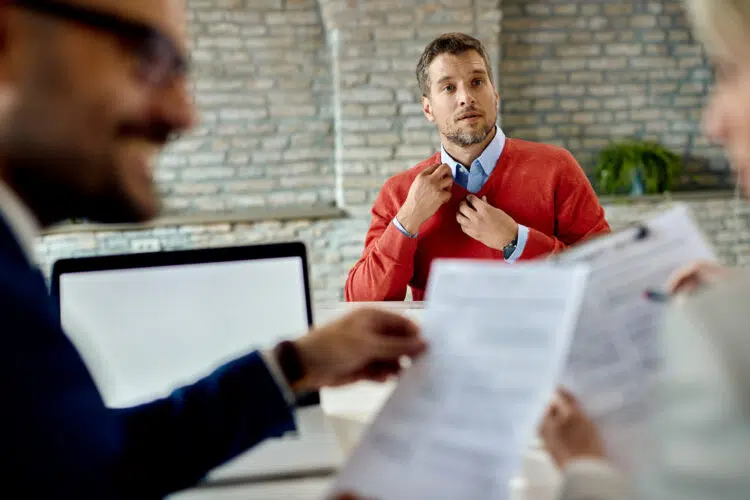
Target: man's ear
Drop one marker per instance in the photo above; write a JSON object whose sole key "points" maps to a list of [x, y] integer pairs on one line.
{"points": [[427, 109]]}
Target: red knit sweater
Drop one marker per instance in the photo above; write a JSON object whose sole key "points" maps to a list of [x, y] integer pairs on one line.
{"points": [[540, 186]]}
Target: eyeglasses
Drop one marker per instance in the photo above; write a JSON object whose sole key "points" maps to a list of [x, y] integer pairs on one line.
{"points": [[159, 59]]}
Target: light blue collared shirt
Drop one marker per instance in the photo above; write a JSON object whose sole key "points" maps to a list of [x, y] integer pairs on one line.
{"points": [[474, 178]]}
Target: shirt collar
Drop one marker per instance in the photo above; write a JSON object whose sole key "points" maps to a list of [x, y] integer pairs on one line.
{"points": [[21, 221], [486, 161]]}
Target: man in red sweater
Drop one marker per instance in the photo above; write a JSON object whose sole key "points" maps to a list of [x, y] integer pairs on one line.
{"points": [[483, 196]]}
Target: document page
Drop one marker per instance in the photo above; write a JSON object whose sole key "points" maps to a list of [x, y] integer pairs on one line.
{"points": [[457, 422], [615, 350]]}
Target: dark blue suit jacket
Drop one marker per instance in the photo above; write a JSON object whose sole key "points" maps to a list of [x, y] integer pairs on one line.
{"points": [[60, 441]]}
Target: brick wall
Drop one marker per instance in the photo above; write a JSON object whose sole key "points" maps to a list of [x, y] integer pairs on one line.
{"points": [[315, 101], [375, 46], [585, 72], [263, 89]]}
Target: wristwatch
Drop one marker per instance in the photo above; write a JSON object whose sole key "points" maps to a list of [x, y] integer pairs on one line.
{"points": [[287, 355], [510, 248]]}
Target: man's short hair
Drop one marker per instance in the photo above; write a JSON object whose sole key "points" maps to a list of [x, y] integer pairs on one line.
{"points": [[448, 43]]}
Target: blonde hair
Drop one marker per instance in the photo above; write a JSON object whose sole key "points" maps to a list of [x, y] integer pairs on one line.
{"points": [[721, 25]]}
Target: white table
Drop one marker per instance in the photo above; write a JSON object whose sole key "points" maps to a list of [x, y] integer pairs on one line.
{"points": [[352, 408]]}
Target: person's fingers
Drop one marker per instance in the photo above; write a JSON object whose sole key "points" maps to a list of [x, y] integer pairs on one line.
{"points": [[549, 424], [549, 415], [678, 279], [391, 348], [563, 410], [690, 277], [446, 183], [387, 323], [465, 209], [430, 170], [348, 496], [442, 171], [380, 371], [462, 219], [381, 367], [568, 398]]}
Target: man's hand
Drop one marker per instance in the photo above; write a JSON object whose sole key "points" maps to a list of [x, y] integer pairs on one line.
{"points": [[366, 344], [690, 278], [430, 190], [568, 433], [485, 223]]}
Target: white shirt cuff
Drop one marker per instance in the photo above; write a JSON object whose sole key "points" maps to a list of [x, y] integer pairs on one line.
{"points": [[593, 478], [401, 228], [278, 376], [523, 237]]}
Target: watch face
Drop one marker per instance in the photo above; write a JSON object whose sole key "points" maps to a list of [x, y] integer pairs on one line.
{"points": [[508, 250]]}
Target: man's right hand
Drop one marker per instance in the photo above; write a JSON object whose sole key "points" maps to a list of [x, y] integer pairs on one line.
{"points": [[366, 344], [430, 190]]}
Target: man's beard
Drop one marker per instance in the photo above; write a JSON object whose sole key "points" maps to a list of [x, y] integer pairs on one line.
{"points": [[59, 177], [464, 138], [42, 180]]}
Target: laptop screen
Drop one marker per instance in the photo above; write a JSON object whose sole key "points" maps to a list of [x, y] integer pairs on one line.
{"points": [[149, 323]]}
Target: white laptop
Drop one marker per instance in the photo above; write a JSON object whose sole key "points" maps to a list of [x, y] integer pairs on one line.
{"points": [[147, 323]]}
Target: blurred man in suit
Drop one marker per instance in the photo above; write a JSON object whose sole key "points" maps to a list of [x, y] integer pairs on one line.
{"points": [[90, 91]]}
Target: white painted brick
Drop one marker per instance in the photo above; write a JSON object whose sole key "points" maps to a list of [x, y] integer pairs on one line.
{"points": [[387, 139], [195, 174], [414, 152], [308, 154], [367, 96], [242, 114], [266, 157], [291, 18], [411, 109], [369, 153], [250, 185], [417, 123], [367, 125], [299, 111]]}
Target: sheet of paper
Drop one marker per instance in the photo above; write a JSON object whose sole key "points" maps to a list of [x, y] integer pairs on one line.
{"points": [[456, 425], [615, 351]]}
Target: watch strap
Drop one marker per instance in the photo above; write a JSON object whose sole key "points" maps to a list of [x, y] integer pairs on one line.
{"points": [[510, 248], [288, 357]]}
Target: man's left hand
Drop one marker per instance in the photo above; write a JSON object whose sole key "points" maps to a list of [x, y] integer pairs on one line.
{"points": [[485, 223]]}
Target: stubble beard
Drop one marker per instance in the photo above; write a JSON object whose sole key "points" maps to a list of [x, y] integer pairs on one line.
{"points": [[464, 138]]}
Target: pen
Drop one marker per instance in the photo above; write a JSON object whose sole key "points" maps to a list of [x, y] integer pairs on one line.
{"points": [[656, 296]]}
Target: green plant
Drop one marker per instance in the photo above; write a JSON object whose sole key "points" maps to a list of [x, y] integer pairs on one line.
{"points": [[637, 167]]}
